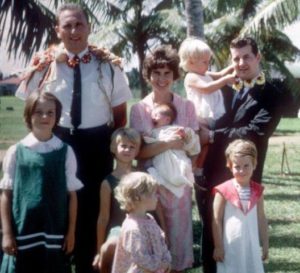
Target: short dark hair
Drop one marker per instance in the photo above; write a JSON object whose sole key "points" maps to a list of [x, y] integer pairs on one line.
{"points": [[161, 56], [240, 42], [31, 103], [71, 6]]}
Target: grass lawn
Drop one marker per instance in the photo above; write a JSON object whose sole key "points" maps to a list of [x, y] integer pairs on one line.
{"points": [[282, 192]]}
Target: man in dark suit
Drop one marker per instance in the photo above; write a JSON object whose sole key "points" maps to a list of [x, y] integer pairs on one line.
{"points": [[252, 113]]}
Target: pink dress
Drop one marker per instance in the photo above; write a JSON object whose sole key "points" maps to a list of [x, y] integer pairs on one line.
{"points": [[177, 211], [141, 247], [240, 229]]}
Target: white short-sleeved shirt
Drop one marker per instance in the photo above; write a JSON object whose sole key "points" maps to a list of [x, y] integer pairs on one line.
{"points": [[96, 102], [30, 141]]}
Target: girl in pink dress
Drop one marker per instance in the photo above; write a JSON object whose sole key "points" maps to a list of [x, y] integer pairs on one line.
{"points": [[239, 222], [161, 69], [141, 246]]}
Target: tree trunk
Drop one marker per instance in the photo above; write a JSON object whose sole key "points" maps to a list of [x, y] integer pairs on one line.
{"points": [[141, 57], [194, 15]]}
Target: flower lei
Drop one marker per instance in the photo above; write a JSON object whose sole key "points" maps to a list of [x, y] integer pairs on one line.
{"points": [[239, 84], [57, 53]]}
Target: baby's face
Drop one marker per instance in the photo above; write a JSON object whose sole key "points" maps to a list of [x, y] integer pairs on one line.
{"points": [[159, 118]]}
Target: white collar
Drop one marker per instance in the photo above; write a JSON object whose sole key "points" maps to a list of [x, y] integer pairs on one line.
{"points": [[80, 54], [31, 141]]}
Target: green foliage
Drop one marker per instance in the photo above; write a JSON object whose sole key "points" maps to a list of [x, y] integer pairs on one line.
{"points": [[262, 19], [12, 127]]}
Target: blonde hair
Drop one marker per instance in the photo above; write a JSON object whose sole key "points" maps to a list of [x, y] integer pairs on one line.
{"points": [[128, 133], [192, 47], [240, 147], [131, 187]]}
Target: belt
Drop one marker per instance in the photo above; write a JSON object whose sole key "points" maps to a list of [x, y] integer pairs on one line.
{"points": [[83, 131]]}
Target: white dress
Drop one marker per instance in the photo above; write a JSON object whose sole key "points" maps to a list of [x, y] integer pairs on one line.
{"points": [[240, 232], [173, 168], [207, 105]]}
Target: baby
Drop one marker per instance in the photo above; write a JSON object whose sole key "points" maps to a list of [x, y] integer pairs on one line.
{"points": [[172, 168]]}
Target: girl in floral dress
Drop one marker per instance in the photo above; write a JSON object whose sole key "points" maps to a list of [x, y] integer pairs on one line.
{"points": [[141, 246], [239, 222]]}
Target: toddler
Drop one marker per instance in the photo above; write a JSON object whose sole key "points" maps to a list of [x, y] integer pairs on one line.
{"points": [[38, 202], [203, 86], [141, 245], [239, 222]]}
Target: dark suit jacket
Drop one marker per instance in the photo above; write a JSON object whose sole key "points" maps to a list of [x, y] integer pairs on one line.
{"points": [[254, 119]]}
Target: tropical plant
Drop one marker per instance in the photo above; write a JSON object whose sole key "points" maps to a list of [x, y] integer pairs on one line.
{"points": [[127, 27], [194, 17], [135, 26], [262, 19]]}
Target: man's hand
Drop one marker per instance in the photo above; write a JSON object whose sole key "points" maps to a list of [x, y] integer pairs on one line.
{"points": [[204, 136]]}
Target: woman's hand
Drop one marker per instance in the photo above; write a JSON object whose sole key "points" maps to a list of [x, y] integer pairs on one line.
{"points": [[9, 244], [175, 143]]}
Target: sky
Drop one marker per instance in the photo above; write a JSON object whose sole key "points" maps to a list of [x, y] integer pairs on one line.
{"points": [[10, 66]]}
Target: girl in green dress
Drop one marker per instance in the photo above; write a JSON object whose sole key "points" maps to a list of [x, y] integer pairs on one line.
{"points": [[125, 145], [38, 202]]}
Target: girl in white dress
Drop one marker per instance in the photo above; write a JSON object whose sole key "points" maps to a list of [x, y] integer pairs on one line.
{"points": [[239, 222]]}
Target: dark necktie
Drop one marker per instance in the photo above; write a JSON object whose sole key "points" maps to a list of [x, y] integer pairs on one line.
{"points": [[76, 99], [237, 99]]}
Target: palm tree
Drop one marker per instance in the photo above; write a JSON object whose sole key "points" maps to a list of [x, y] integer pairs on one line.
{"points": [[134, 26], [139, 26], [194, 17], [129, 27], [263, 19]]}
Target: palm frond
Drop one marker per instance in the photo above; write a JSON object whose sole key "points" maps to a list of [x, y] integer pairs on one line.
{"points": [[272, 14], [31, 25]]}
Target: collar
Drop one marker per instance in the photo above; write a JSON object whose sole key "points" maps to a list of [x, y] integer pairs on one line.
{"points": [[80, 54], [260, 79], [230, 193], [31, 141]]}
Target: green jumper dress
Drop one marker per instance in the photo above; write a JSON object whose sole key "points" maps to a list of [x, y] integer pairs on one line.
{"points": [[39, 212]]}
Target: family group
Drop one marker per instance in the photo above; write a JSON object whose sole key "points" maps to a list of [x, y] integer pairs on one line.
{"points": [[83, 193]]}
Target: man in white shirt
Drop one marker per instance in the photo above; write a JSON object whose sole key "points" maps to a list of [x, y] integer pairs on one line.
{"points": [[103, 92]]}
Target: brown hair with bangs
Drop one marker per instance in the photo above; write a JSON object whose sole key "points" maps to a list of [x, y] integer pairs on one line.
{"points": [[161, 56], [32, 101]]}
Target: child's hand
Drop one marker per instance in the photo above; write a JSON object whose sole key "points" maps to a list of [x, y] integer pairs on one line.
{"points": [[218, 254], [230, 78], [69, 243], [97, 261], [9, 245]]}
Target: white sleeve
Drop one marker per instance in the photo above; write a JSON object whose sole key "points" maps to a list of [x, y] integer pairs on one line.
{"points": [[27, 87], [121, 92], [9, 168], [73, 183]]}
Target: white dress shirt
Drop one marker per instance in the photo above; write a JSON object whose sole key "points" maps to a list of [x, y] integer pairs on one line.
{"points": [[100, 92]]}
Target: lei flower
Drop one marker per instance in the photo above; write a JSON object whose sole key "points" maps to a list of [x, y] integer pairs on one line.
{"points": [[259, 80], [57, 53]]}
